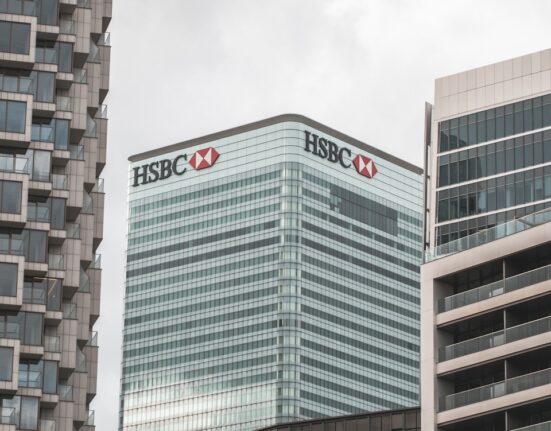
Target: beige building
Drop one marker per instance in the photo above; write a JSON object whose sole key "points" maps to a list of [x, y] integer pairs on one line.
{"points": [[54, 77], [486, 281]]}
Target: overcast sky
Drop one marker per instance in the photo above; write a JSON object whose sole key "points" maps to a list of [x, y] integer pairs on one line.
{"points": [[184, 68]]}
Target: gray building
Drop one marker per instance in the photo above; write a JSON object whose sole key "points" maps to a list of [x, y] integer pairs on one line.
{"points": [[486, 281], [54, 77], [272, 276]]}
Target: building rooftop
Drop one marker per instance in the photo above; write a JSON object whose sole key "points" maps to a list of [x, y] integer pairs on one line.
{"points": [[271, 121]]}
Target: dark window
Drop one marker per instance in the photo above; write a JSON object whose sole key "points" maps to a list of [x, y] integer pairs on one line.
{"points": [[29, 413], [10, 197], [50, 377], [57, 220], [8, 279], [6, 363], [15, 37], [65, 57], [47, 12], [34, 243], [12, 116]]}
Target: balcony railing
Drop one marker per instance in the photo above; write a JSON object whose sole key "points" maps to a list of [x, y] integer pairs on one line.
{"points": [[73, 230], [84, 3], [30, 379], [60, 182], [7, 416], [495, 339], [46, 55], [488, 235], [495, 390], [105, 39], [91, 418], [47, 425], [69, 311], [544, 426], [64, 103], [66, 26], [52, 344], [65, 392], [10, 330], [495, 289], [80, 76], [18, 7], [100, 186], [76, 152], [84, 282], [102, 112], [15, 84], [56, 262], [93, 341], [10, 245], [96, 262]]}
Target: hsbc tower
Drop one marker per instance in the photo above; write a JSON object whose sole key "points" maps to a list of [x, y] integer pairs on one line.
{"points": [[272, 275]]}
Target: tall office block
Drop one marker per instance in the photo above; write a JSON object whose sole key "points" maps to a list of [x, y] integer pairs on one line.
{"points": [[272, 275], [54, 76], [486, 281]]}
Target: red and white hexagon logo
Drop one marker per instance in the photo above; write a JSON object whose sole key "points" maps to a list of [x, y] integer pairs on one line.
{"points": [[365, 166], [204, 158]]}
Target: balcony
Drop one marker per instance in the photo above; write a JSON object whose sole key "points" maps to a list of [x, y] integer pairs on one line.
{"points": [[65, 392], [64, 103], [495, 289], [47, 425], [489, 235], [7, 416], [67, 26], [60, 182], [52, 344], [495, 390], [15, 84], [93, 340], [56, 262]]}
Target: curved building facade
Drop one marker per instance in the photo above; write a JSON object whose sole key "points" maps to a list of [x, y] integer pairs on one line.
{"points": [[272, 276]]}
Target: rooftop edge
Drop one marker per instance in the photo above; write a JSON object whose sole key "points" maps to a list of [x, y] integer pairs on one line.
{"points": [[271, 121]]}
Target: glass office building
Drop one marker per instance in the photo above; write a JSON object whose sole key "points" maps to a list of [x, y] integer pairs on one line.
{"points": [[272, 276]]}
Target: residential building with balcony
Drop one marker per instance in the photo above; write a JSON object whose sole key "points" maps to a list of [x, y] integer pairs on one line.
{"points": [[486, 280], [54, 77]]}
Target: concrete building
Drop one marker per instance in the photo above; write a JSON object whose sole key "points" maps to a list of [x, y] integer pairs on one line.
{"points": [[486, 281], [389, 420], [272, 276], [54, 77]]}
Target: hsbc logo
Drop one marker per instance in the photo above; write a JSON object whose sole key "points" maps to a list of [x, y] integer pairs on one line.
{"points": [[330, 151], [163, 169]]}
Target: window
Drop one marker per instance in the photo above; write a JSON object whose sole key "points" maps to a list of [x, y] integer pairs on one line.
{"points": [[65, 57], [15, 37], [12, 116], [51, 130], [49, 385], [45, 291], [43, 86], [10, 197], [34, 244], [6, 363], [8, 279], [57, 218], [47, 12]]}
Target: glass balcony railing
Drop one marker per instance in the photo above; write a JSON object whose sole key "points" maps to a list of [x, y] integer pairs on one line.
{"points": [[485, 236], [102, 112], [84, 282], [10, 330], [76, 152], [18, 7], [33, 295], [495, 390], [96, 262], [73, 230], [495, 339], [15, 84], [7, 416], [495, 289], [63, 103], [52, 344], [69, 311], [84, 3], [93, 341], [65, 392], [91, 418], [30, 379], [11, 163], [105, 39], [46, 55], [66, 26], [80, 363], [80, 76], [60, 182], [47, 425], [543, 426], [100, 186], [56, 262], [10, 245]]}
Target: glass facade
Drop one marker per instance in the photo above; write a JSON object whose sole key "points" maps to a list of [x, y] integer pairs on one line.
{"points": [[493, 166], [273, 286]]}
